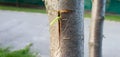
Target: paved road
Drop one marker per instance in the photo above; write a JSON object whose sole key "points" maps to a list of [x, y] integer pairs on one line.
{"points": [[18, 29]]}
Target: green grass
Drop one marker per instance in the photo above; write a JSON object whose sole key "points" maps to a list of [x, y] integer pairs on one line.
{"points": [[22, 9], [25, 52], [111, 17]]}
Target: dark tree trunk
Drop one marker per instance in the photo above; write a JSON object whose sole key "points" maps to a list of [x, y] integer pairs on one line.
{"points": [[96, 30], [17, 3]]}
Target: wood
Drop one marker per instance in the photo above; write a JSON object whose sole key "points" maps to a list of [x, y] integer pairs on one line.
{"points": [[66, 35], [96, 30]]}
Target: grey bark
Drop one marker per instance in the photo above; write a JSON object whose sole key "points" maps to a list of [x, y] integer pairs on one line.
{"points": [[96, 30], [67, 36]]}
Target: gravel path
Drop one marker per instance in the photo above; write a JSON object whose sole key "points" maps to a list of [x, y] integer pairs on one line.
{"points": [[18, 29]]}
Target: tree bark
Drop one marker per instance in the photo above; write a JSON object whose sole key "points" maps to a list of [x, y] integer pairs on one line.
{"points": [[96, 30], [66, 35]]}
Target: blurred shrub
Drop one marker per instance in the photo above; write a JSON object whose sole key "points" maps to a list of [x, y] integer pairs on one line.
{"points": [[25, 52]]}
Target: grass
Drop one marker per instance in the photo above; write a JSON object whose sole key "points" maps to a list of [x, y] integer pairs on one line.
{"points": [[22, 9], [111, 17], [25, 52]]}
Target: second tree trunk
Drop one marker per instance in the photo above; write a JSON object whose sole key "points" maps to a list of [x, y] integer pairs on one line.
{"points": [[96, 30]]}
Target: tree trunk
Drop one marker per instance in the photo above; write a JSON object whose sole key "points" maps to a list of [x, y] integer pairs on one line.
{"points": [[96, 30], [17, 3], [67, 36]]}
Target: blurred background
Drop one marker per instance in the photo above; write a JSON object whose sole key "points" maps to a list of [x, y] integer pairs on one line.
{"points": [[112, 6], [23, 22]]}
